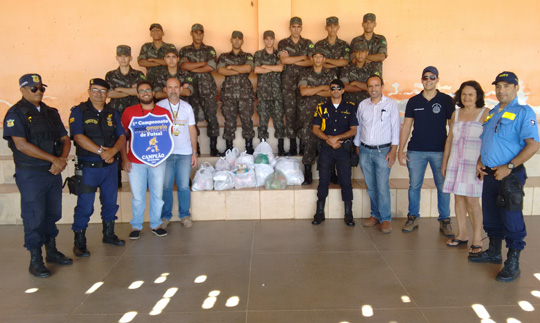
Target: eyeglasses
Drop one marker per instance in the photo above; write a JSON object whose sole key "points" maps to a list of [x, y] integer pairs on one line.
{"points": [[34, 89], [430, 77], [145, 91], [102, 91], [334, 88]]}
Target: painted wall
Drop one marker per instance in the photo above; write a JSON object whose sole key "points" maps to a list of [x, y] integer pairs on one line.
{"points": [[69, 42]]}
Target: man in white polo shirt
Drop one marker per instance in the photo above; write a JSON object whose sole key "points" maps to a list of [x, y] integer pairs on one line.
{"points": [[182, 159]]}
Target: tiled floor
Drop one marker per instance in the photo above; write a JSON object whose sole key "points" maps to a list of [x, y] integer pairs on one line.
{"points": [[269, 271]]}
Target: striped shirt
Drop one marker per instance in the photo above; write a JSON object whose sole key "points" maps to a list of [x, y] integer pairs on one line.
{"points": [[378, 124]]}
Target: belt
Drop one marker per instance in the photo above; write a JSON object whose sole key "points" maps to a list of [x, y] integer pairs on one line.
{"points": [[375, 147], [92, 164], [37, 168], [491, 171]]}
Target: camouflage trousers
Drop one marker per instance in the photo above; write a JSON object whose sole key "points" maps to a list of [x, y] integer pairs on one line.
{"points": [[291, 100], [231, 109], [273, 109], [306, 132], [209, 105]]}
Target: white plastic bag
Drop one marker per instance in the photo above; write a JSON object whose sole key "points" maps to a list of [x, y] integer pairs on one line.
{"points": [[243, 179], [203, 180], [291, 168], [222, 164], [245, 158], [231, 155], [262, 171], [223, 180], [276, 181], [264, 148], [208, 166]]}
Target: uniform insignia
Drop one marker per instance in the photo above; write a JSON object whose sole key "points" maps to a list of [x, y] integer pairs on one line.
{"points": [[509, 115], [488, 117], [94, 121], [189, 79], [250, 58], [384, 42], [436, 108], [143, 77], [71, 120], [345, 112], [311, 46], [377, 73], [533, 122], [325, 111], [10, 123], [347, 49], [29, 118], [212, 52], [36, 79]]}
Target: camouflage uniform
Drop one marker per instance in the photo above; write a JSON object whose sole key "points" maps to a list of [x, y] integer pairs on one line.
{"points": [[352, 73], [148, 50], [204, 94], [339, 50], [376, 45], [116, 79], [269, 96], [289, 82], [162, 75], [237, 96], [307, 110]]}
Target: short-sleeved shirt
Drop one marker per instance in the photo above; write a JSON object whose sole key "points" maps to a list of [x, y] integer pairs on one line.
{"points": [[116, 79], [182, 118], [204, 83], [430, 120], [335, 121], [313, 79], [148, 50], [236, 86], [268, 84], [138, 111], [353, 73], [339, 50], [505, 132], [376, 45], [162, 75], [304, 47]]}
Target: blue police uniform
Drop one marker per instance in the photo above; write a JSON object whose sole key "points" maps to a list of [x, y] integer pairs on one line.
{"points": [[335, 121], [41, 191], [103, 128], [503, 139]]}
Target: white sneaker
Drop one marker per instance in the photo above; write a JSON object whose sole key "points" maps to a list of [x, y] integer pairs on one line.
{"points": [[186, 221], [164, 223]]}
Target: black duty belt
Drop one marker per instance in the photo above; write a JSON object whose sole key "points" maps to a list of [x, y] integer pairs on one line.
{"points": [[375, 147], [491, 171], [37, 168], [92, 164]]}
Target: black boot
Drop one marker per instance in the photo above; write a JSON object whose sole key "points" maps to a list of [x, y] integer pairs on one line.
{"points": [[510, 270], [349, 219], [55, 256], [79, 248], [280, 149], [318, 218], [249, 146], [214, 152], [109, 236], [492, 255], [37, 267], [308, 177], [301, 148], [228, 144], [198, 150], [292, 147]]}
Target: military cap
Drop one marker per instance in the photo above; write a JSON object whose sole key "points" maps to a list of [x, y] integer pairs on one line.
{"points": [[431, 69], [100, 82], [269, 33], [319, 50], [337, 82], [30, 80], [155, 25], [197, 27], [237, 34], [171, 49], [123, 50], [508, 77], [370, 16], [360, 46], [295, 20], [332, 21]]}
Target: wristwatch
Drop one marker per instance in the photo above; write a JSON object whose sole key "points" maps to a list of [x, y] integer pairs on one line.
{"points": [[510, 165], [100, 150]]}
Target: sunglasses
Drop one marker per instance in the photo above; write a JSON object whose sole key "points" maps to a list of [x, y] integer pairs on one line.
{"points": [[334, 88], [430, 77], [145, 91], [34, 89]]}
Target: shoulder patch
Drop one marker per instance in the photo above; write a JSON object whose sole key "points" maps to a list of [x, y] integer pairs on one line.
{"points": [[189, 79], [71, 120], [347, 49], [384, 42], [10, 123], [533, 122], [213, 52], [311, 45]]}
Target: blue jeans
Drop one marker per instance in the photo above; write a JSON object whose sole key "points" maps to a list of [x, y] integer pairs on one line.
{"points": [[417, 165], [179, 169], [376, 174], [142, 177]]}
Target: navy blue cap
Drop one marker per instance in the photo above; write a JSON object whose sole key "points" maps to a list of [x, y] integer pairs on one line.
{"points": [[508, 77], [431, 69], [337, 82], [30, 80], [100, 82]]}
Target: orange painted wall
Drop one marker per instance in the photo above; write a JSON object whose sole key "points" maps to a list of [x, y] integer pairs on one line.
{"points": [[69, 42]]}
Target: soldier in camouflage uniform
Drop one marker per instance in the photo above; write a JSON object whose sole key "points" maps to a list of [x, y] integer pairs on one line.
{"points": [[355, 75], [151, 55], [268, 68], [171, 70], [200, 61], [338, 50], [314, 88], [237, 91], [294, 55], [378, 50]]}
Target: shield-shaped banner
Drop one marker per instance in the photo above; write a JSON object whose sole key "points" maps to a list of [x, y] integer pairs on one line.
{"points": [[151, 138]]}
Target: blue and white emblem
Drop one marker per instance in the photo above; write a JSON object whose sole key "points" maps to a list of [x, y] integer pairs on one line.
{"points": [[436, 108], [151, 138]]}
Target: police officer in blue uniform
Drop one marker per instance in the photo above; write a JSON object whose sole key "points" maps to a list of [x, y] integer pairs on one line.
{"points": [[40, 145], [334, 123], [98, 134], [509, 139]]}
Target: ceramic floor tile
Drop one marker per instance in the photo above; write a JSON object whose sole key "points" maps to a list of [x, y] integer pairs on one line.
{"points": [[221, 317], [33, 318], [323, 316], [467, 314]]}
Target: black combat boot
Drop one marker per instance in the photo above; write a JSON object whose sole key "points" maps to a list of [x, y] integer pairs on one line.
{"points": [[280, 149], [214, 152], [308, 177], [292, 147], [229, 144], [492, 255], [109, 236], [249, 146], [79, 248], [510, 270], [37, 267], [55, 256], [349, 219], [318, 218], [198, 150]]}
